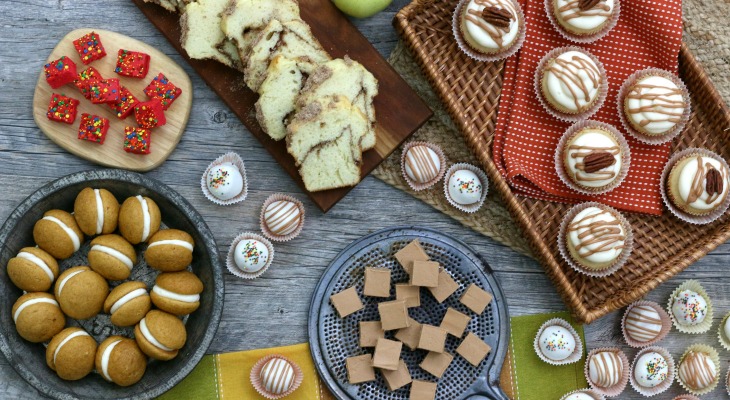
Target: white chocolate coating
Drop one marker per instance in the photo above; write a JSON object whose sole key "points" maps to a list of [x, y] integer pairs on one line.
{"points": [[577, 150], [486, 34], [99, 212], [697, 370], [65, 279], [127, 298], [643, 323], [173, 242], [422, 164], [29, 303], [605, 369], [114, 253], [591, 237], [282, 217], [726, 329], [465, 187], [39, 262], [587, 20], [70, 232], [687, 178], [556, 343], [651, 369], [689, 308], [185, 298], [66, 340], [225, 181], [656, 104], [105, 359], [573, 80], [145, 218], [277, 376], [150, 338], [251, 255]]}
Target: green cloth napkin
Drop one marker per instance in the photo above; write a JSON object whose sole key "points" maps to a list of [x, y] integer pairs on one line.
{"points": [[533, 378], [200, 384]]}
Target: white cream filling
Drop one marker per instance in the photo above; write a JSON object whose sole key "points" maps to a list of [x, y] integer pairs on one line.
{"points": [[114, 253], [173, 242], [105, 359], [148, 335], [30, 303], [37, 261], [185, 298], [70, 232], [63, 282], [145, 218], [66, 340], [99, 212], [127, 298]]}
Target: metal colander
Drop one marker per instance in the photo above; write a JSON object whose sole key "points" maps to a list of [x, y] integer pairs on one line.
{"points": [[333, 339]]}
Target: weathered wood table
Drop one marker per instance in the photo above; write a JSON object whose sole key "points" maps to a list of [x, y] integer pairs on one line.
{"points": [[272, 310]]}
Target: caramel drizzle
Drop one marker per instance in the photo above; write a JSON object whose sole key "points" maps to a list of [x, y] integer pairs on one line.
{"points": [[496, 33], [599, 10], [278, 215], [697, 370], [698, 183], [581, 175], [661, 103], [567, 72], [605, 363], [636, 317], [421, 164], [606, 234]]}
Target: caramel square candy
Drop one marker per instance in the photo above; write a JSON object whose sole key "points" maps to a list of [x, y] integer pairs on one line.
{"points": [[423, 390], [387, 354], [393, 314], [433, 338], [446, 287], [455, 322], [412, 252], [476, 299], [473, 349], [398, 378], [411, 335], [346, 302], [425, 274], [436, 363], [411, 294], [377, 282], [360, 369], [370, 332]]}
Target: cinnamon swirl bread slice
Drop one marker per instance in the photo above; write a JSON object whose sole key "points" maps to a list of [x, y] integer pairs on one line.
{"points": [[278, 95]]}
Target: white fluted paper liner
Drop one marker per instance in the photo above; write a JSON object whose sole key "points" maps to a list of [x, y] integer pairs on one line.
{"points": [[662, 387], [560, 156], [724, 340], [666, 324], [259, 386], [706, 323], [714, 356], [686, 397], [262, 220], [236, 160], [577, 352], [231, 263], [565, 252], [417, 186], [585, 114], [470, 208], [624, 91], [477, 55], [676, 211], [590, 392], [587, 38], [618, 388]]}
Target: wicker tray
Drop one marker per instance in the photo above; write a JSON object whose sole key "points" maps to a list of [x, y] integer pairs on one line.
{"points": [[664, 246]]}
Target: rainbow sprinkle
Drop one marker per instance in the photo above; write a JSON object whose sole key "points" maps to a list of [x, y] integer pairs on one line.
{"points": [[132, 63], [136, 140], [467, 185], [252, 253], [556, 341]]}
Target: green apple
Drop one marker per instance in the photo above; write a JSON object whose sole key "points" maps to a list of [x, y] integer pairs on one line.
{"points": [[362, 8]]}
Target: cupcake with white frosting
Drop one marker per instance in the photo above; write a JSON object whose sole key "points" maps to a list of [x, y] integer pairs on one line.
{"points": [[698, 184], [489, 30], [583, 21]]}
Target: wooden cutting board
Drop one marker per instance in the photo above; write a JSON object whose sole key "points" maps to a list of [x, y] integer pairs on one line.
{"points": [[111, 154], [399, 110]]}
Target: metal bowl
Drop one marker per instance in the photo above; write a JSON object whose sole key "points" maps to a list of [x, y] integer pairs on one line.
{"points": [[28, 359]]}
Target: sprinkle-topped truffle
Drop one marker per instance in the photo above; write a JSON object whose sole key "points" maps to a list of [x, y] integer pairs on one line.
{"points": [[556, 343], [689, 308], [651, 369], [225, 181], [697, 371], [465, 187], [251, 255]]}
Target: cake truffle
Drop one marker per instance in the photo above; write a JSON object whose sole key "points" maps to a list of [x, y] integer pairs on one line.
{"points": [[71, 354], [139, 219], [128, 303], [593, 159], [556, 343], [697, 371], [423, 165], [160, 335], [689, 308], [605, 369], [275, 377], [281, 217], [112, 257], [33, 270], [651, 369], [81, 292], [119, 360], [465, 187], [170, 250], [177, 292], [654, 105], [225, 181], [491, 27], [698, 184], [571, 82], [58, 234], [645, 322], [596, 238], [37, 317], [96, 211]]}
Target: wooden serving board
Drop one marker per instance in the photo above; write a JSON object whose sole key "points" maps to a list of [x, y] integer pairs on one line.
{"points": [[399, 110], [111, 154]]}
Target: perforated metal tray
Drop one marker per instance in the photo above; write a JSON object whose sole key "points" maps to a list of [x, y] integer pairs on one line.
{"points": [[333, 339]]}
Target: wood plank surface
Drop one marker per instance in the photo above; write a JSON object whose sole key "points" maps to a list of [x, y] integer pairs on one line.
{"points": [[111, 154], [272, 310], [399, 111]]}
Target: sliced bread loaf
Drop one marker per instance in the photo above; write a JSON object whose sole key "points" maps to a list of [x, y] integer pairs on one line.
{"points": [[201, 33], [347, 78], [278, 95], [169, 5], [292, 39], [331, 165]]}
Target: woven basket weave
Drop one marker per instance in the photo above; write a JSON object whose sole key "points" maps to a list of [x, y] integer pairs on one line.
{"points": [[664, 246]]}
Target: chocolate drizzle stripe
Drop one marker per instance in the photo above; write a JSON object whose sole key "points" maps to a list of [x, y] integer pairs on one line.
{"points": [[279, 214], [607, 235], [608, 368], [699, 183], [661, 103], [421, 164], [639, 315], [696, 370]]}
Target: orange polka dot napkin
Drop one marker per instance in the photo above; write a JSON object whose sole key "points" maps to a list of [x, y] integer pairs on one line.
{"points": [[648, 34]]}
